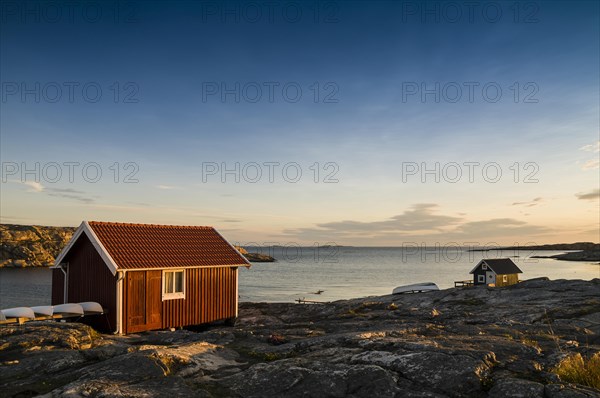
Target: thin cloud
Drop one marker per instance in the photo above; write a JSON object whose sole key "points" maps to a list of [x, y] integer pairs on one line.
{"points": [[15, 220], [592, 231], [124, 208], [70, 193], [595, 147], [592, 195], [167, 187], [66, 193], [34, 186], [73, 196], [591, 164], [140, 204], [531, 203]]}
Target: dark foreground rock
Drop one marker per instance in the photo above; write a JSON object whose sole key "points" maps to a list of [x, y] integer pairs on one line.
{"points": [[470, 342]]}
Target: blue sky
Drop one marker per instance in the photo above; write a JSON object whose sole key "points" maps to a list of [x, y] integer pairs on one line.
{"points": [[161, 58]]}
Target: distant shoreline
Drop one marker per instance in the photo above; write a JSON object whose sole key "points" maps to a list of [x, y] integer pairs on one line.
{"points": [[580, 246], [584, 255], [581, 251]]}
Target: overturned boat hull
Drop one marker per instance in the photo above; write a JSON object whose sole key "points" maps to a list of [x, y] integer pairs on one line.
{"points": [[416, 288], [18, 312]]}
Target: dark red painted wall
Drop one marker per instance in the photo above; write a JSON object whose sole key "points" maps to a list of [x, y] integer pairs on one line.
{"points": [[89, 279]]}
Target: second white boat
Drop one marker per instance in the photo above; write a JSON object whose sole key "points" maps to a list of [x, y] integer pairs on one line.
{"points": [[416, 288]]}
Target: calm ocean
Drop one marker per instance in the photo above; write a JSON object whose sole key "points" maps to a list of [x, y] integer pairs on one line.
{"points": [[340, 272]]}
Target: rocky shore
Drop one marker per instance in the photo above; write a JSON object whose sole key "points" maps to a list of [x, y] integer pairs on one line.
{"points": [[582, 251], [468, 342], [31, 245], [584, 255], [255, 257], [553, 246]]}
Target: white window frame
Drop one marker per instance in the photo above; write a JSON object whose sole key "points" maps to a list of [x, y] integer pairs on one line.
{"points": [[480, 278], [174, 295], [484, 267], [504, 278]]}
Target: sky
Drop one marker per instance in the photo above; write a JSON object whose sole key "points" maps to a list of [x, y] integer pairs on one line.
{"points": [[373, 123]]}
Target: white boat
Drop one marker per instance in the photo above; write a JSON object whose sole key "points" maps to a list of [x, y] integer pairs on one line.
{"points": [[19, 312], [92, 306], [417, 287], [46, 310], [68, 309]]}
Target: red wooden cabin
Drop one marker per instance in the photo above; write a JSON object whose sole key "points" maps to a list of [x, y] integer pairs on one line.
{"points": [[149, 276]]}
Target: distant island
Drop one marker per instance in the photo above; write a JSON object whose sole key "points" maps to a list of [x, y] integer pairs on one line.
{"points": [[255, 257], [585, 255], [37, 246], [553, 246], [582, 251]]}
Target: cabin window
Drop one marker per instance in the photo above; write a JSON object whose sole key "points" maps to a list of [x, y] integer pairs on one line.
{"points": [[173, 284], [504, 278], [484, 267], [481, 278]]}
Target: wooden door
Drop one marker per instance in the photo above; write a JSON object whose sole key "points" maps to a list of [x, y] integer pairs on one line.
{"points": [[143, 301], [136, 301], [491, 278], [153, 299]]}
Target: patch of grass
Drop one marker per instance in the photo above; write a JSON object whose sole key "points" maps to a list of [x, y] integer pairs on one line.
{"points": [[370, 305], [353, 312], [272, 356], [94, 334], [579, 370], [530, 343], [164, 362]]}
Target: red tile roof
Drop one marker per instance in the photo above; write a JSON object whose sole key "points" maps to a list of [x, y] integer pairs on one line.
{"points": [[165, 246]]}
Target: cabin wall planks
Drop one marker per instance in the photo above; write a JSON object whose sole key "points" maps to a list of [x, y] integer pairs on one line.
{"points": [[210, 296], [58, 289], [511, 279], [89, 279]]}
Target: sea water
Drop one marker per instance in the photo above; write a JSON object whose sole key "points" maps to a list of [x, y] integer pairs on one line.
{"points": [[335, 272]]}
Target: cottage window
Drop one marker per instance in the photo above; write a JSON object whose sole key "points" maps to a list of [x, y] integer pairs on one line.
{"points": [[173, 284], [504, 278], [481, 278], [484, 267]]}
